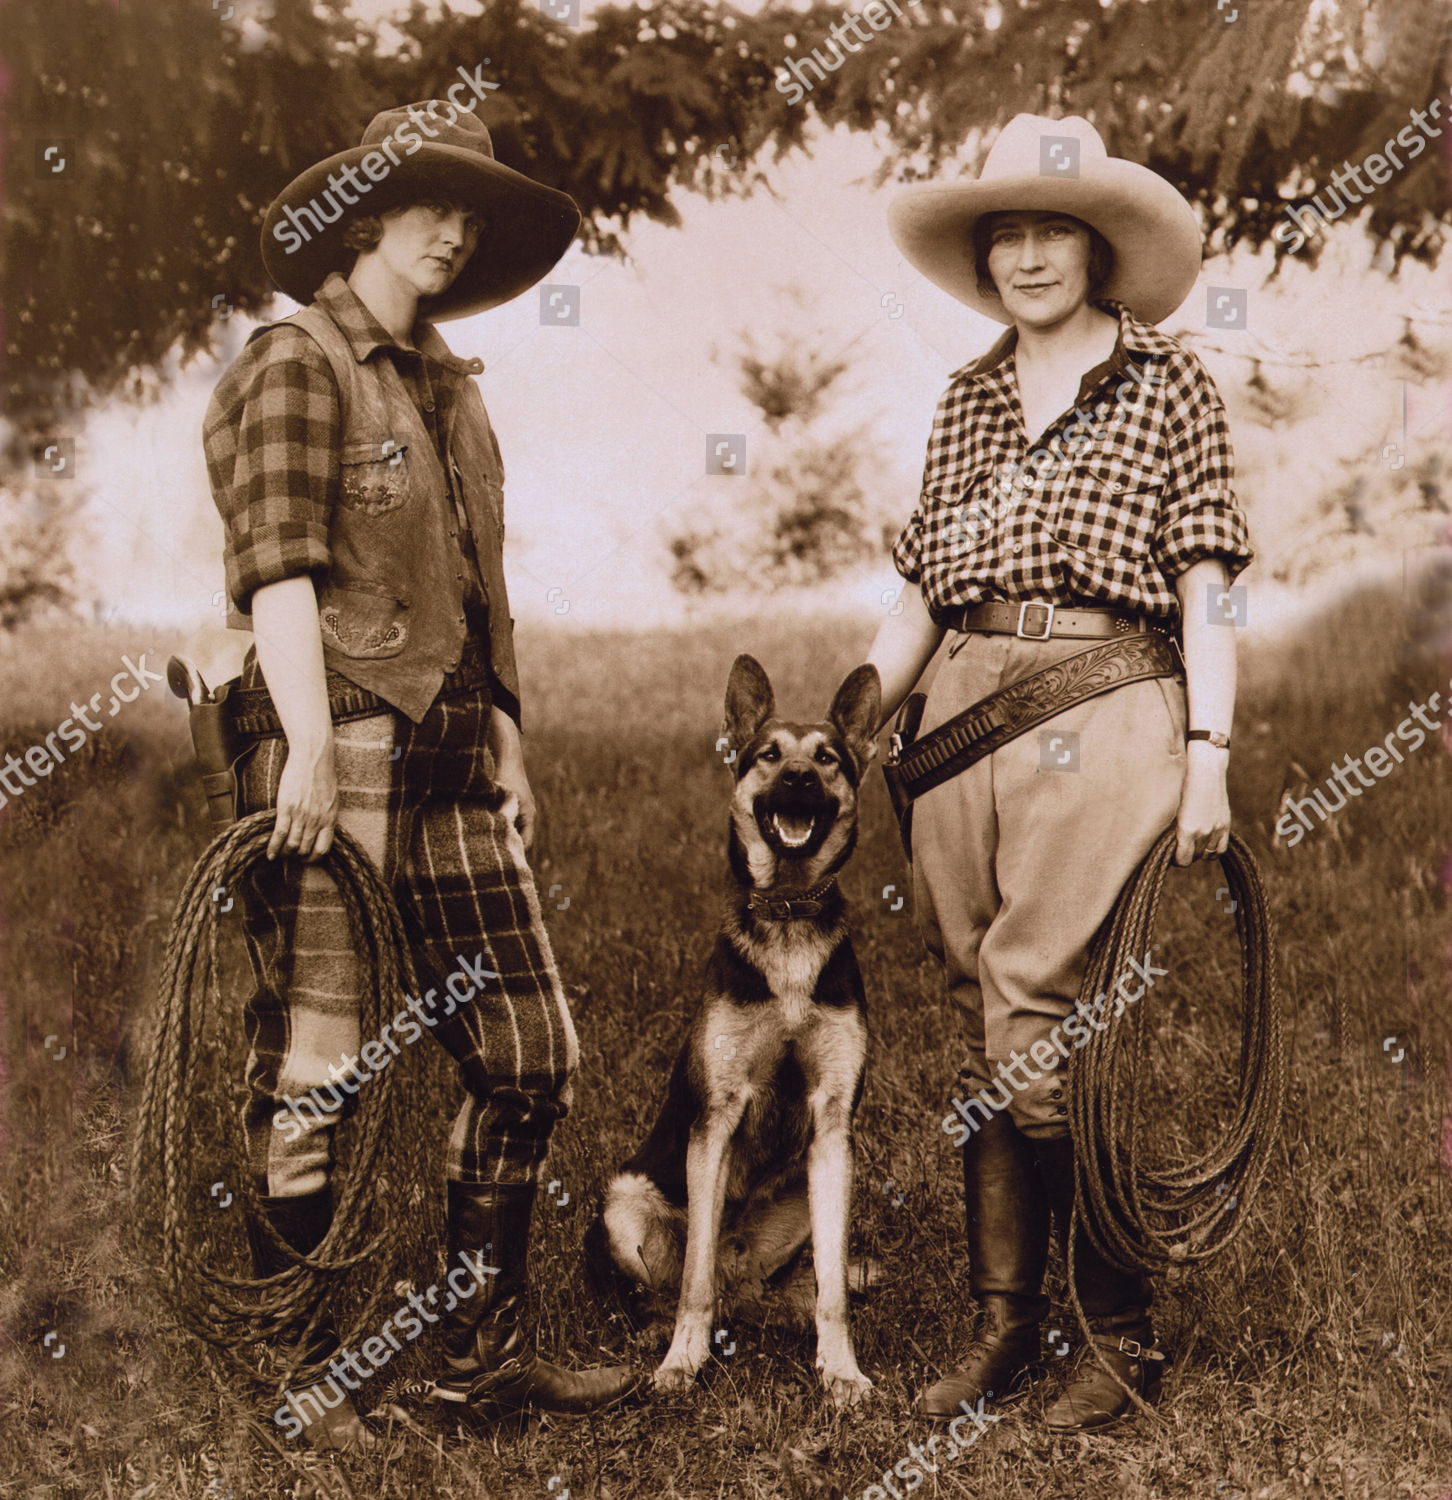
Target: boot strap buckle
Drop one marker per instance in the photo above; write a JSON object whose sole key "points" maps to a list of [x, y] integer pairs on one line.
{"points": [[1132, 1347]]}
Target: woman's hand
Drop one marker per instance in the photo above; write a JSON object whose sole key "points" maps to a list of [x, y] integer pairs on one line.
{"points": [[307, 802], [519, 804], [507, 749], [1202, 829]]}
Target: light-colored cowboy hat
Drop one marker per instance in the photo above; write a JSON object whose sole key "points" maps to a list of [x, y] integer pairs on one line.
{"points": [[528, 226], [1044, 165]]}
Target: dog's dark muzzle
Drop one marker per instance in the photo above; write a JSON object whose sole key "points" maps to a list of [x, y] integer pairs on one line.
{"points": [[795, 814]]}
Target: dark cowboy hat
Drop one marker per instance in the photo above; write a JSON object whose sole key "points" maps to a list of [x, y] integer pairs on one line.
{"points": [[527, 226]]}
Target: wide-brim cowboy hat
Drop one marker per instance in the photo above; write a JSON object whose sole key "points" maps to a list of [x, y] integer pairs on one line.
{"points": [[1058, 166], [527, 226]]}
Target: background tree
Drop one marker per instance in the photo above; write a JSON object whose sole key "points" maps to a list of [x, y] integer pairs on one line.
{"points": [[809, 504]]}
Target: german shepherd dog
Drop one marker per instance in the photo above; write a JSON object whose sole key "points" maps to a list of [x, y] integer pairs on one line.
{"points": [[751, 1151]]}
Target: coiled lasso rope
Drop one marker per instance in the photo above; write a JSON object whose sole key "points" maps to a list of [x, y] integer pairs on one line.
{"points": [[1153, 1216], [190, 1132]]}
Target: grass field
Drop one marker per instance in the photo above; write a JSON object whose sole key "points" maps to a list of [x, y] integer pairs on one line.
{"points": [[1311, 1360]]}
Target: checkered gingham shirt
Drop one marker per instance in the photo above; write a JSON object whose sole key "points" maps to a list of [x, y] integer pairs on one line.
{"points": [[1115, 499]]}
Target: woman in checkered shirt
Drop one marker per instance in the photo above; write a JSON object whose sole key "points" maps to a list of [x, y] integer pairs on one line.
{"points": [[1078, 485]]}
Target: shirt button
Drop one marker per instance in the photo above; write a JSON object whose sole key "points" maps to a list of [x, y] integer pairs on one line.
{"points": [[1018, 546], [1116, 486], [428, 405]]}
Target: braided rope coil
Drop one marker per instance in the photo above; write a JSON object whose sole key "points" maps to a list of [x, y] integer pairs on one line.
{"points": [[189, 1131], [1147, 1217]]}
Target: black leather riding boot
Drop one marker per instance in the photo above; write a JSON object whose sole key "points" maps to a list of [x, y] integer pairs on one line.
{"points": [[302, 1222], [487, 1360], [1116, 1304], [1006, 1215]]}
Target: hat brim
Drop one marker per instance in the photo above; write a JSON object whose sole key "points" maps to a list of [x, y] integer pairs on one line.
{"points": [[528, 226], [1150, 227]]}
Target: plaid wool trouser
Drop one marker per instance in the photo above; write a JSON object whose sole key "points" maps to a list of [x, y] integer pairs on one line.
{"points": [[421, 800]]}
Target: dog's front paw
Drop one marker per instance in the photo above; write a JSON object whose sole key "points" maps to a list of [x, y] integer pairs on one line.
{"points": [[845, 1388]]}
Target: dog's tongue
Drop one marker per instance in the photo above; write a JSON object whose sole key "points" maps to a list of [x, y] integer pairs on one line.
{"points": [[793, 828]]}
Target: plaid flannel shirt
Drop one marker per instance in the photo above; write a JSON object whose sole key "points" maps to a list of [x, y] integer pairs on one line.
{"points": [[1115, 500]]}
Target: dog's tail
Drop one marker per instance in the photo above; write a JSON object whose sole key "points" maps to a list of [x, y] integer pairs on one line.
{"points": [[633, 1247]]}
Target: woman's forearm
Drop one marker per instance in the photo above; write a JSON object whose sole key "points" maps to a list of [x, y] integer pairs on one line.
{"points": [[903, 647], [290, 654], [1209, 645], [505, 742]]}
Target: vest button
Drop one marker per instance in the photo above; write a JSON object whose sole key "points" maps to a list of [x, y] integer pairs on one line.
{"points": [[428, 405]]}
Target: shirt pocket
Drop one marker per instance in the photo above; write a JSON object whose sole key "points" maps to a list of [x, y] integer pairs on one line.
{"points": [[374, 476], [363, 619], [1105, 513], [968, 510]]}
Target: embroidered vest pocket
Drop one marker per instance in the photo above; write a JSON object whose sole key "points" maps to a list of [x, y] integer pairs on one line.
{"points": [[363, 619], [374, 476]]}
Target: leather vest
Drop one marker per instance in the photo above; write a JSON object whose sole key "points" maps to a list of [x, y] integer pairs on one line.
{"points": [[391, 609]]}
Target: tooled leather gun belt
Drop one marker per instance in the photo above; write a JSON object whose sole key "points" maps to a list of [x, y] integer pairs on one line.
{"points": [[983, 727]]}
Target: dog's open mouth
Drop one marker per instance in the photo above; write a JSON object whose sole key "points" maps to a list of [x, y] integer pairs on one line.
{"points": [[795, 825], [794, 829]]}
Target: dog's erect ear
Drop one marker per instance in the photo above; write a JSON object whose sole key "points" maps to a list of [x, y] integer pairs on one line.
{"points": [[749, 701], [855, 712]]}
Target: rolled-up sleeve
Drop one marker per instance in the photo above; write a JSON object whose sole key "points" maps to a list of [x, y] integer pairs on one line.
{"points": [[1201, 516], [907, 549], [277, 482]]}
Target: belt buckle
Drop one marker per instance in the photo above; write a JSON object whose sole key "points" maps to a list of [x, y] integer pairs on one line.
{"points": [[1048, 622]]}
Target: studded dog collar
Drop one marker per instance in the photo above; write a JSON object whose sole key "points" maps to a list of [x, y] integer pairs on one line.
{"points": [[785, 908]]}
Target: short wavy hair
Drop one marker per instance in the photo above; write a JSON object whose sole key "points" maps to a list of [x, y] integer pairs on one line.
{"points": [[1101, 254], [363, 231]]}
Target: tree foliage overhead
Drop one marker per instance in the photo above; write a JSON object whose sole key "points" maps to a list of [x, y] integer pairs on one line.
{"points": [[178, 125]]}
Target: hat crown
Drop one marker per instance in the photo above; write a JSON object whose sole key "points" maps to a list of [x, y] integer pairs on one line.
{"points": [[451, 126], [1019, 148]]}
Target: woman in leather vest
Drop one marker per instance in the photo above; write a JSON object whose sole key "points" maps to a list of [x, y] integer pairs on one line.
{"points": [[362, 492], [1078, 489]]}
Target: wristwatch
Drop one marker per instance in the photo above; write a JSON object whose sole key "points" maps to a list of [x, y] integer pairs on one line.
{"points": [[1220, 741]]}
